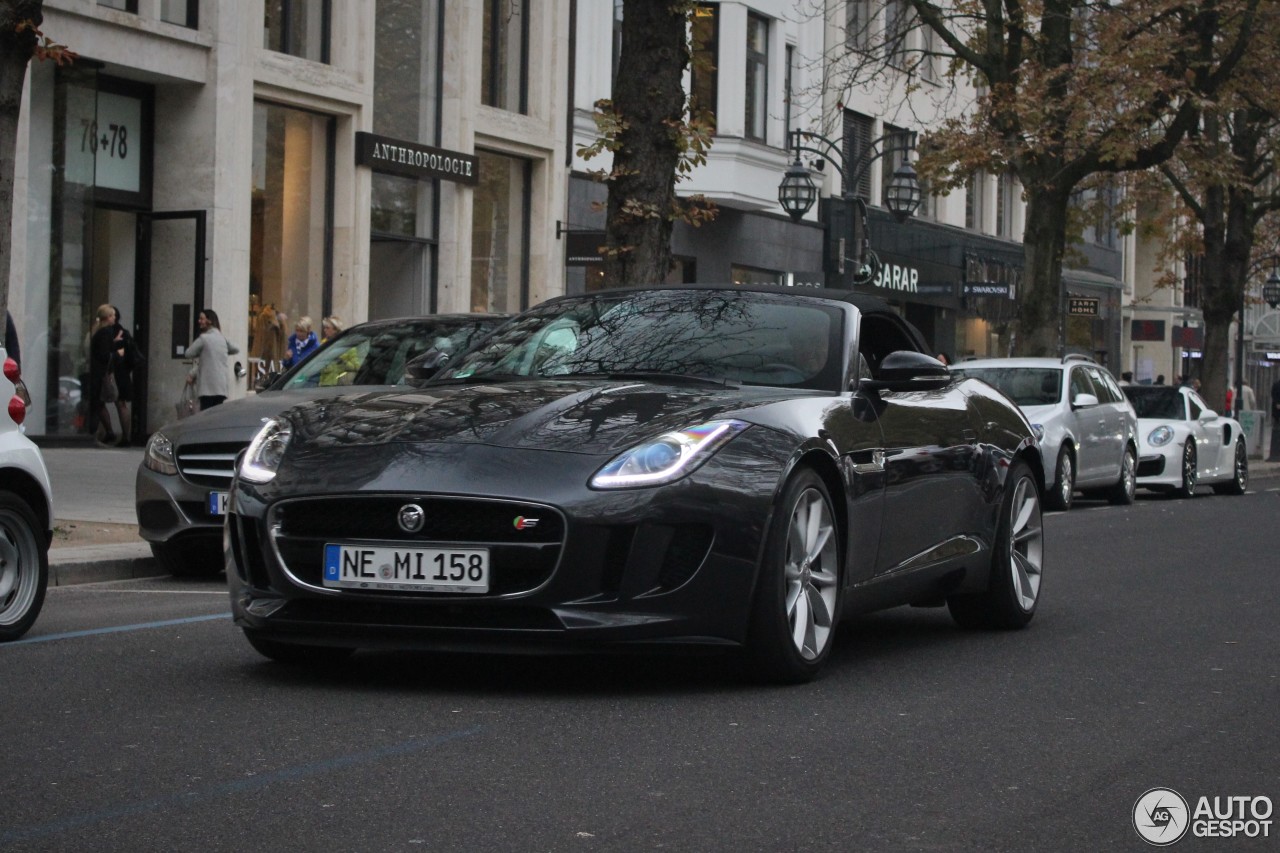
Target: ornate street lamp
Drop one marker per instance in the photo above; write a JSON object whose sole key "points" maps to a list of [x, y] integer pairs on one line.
{"points": [[797, 193], [1271, 290]]}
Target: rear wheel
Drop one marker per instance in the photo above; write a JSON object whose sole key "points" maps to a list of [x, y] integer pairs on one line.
{"points": [[797, 601], [195, 558], [1064, 481], [1187, 488], [1240, 473], [24, 567], [296, 655], [1017, 561], [1123, 491]]}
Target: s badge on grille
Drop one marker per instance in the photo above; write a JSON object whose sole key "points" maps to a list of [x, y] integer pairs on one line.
{"points": [[522, 523], [411, 518]]}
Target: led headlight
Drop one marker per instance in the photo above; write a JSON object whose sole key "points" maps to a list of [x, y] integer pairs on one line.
{"points": [[159, 455], [262, 459], [1160, 436], [666, 458]]}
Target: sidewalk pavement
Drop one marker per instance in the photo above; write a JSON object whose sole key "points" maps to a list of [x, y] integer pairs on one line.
{"points": [[93, 485]]}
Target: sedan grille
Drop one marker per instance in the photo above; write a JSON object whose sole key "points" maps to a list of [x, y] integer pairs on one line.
{"points": [[524, 540], [209, 464]]}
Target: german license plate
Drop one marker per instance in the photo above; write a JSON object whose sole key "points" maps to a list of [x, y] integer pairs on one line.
{"points": [[218, 503], [417, 569]]}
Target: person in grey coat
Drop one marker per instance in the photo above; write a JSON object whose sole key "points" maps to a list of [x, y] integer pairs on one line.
{"points": [[210, 374]]}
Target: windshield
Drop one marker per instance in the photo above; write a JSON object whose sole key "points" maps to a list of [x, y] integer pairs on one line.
{"points": [[376, 353], [1164, 403], [1026, 386], [720, 335]]}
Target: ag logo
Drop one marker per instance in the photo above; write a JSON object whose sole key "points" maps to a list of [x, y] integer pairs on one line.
{"points": [[1161, 816]]}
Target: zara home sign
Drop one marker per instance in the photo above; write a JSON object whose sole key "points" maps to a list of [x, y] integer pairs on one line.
{"points": [[414, 160]]}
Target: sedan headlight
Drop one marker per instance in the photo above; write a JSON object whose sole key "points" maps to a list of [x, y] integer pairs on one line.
{"points": [[1160, 436], [262, 459], [666, 458], [1038, 431], [159, 455]]}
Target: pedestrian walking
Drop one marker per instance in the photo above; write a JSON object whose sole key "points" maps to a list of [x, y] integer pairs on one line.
{"points": [[210, 373]]}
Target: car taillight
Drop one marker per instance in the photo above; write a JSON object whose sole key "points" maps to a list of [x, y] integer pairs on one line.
{"points": [[17, 410], [11, 371]]}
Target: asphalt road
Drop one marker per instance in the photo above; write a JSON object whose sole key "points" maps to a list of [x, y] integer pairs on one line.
{"points": [[135, 718]]}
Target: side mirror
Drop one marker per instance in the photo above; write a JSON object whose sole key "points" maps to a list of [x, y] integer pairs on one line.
{"points": [[1084, 400], [907, 370], [1208, 415], [422, 367]]}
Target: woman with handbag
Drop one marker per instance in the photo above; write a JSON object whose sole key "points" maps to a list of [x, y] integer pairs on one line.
{"points": [[110, 377], [211, 375]]}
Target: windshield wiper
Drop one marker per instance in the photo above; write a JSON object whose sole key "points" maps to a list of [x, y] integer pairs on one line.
{"points": [[477, 378]]}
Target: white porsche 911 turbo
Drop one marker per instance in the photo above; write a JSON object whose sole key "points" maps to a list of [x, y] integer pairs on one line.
{"points": [[1183, 443]]}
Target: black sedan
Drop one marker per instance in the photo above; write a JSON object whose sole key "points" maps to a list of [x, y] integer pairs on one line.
{"points": [[182, 484], [719, 467]]}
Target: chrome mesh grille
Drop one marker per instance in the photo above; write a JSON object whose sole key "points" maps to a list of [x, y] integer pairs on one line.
{"points": [[208, 464]]}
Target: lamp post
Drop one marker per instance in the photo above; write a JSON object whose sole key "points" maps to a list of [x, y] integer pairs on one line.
{"points": [[1271, 293], [797, 192]]}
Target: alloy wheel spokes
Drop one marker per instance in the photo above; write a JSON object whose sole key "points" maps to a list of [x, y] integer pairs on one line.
{"points": [[1026, 543], [810, 575]]}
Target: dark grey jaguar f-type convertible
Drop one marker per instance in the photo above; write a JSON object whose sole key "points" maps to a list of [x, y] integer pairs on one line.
{"points": [[704, 466]]}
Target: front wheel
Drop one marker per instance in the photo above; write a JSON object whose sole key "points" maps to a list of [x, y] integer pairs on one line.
{"points": [[24, 567], [797, 600], [1187, 488], [1123, 491], [1239, 475], [1064, 481], [1017, 561]]}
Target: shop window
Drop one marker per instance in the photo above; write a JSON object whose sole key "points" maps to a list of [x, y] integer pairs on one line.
{"points": [[500, 234], [503, 73], [757, 76], [739, 274], [290, 267], [703, 74], [404, 211], [298, 27]]}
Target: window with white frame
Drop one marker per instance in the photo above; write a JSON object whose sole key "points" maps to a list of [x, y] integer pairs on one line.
{"points": [[1004, 204], [757, 77], [298, 28], [504, 55], [857, 24], [703, 73], [973, 198]]}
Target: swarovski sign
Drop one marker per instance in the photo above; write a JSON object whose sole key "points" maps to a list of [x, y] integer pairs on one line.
{"points": [[414, 160]]}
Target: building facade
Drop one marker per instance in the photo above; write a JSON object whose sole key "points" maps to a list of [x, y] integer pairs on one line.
{"points": [[275, 159]]}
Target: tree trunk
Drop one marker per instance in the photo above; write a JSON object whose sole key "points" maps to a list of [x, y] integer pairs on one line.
{"points": [[1040, 329], [648, 96], [16, 50]]}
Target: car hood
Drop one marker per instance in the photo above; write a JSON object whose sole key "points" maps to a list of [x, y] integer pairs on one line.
{"points": [[240, 420], [574, 416], [1039, 414]]}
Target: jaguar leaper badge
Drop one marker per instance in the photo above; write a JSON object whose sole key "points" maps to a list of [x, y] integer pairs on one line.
{"points": [[411, 518]]}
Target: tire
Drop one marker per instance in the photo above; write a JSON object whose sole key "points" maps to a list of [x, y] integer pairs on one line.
{"points": [[195, 558], [297, 655], [1240, 474], [797, 601], [1017, 561], [24, 567], [1126, 487], [1187, 488], [1064, 481]]}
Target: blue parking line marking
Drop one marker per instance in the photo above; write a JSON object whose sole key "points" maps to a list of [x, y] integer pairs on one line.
{"points": [[239, 786], [93, 632]]}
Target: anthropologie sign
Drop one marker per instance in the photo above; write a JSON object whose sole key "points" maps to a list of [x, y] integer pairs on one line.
{"points": [[414, 160], [104, 140]]}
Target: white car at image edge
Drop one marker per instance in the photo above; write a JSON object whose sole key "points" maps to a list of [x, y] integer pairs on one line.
{"points": [[26, 512], [1183, 443]]}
